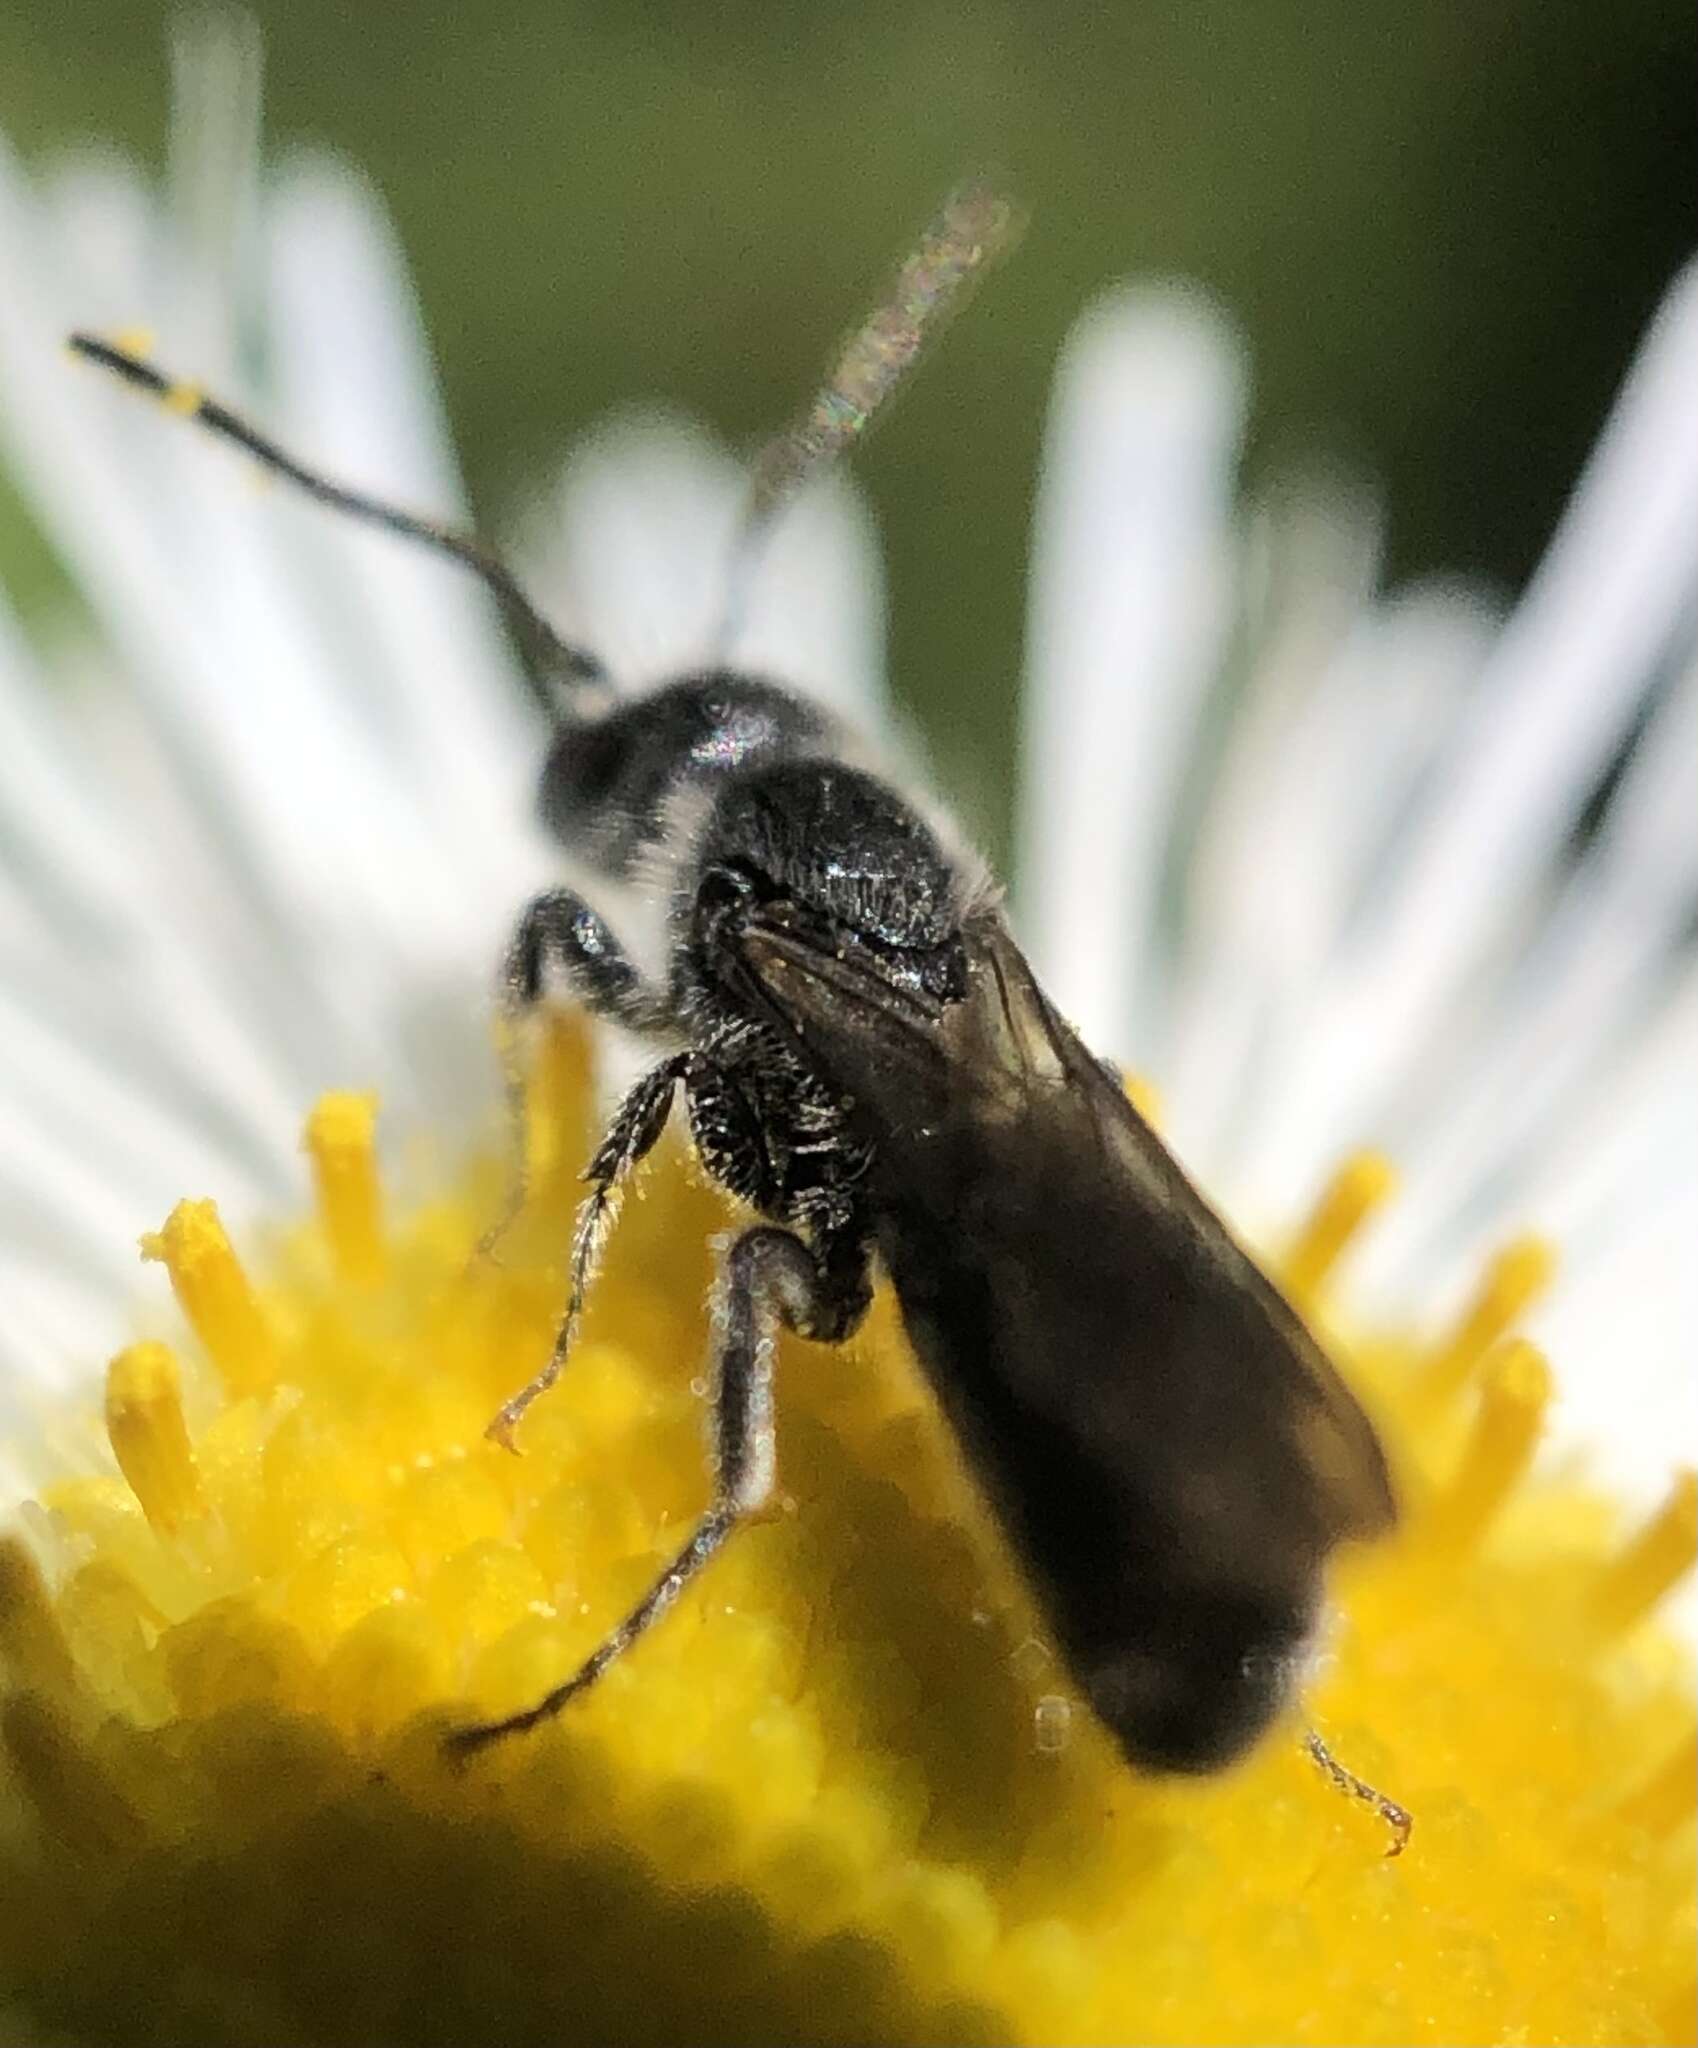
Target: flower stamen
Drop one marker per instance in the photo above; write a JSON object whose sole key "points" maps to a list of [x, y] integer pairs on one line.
{"points": [[81, 1808], [559, 1106], [33, 1649], [149, 1437], [1514, 1396], [1361, 1186], [215, 1295], [839, 1740], [340, 1139], [1513, 1280], [1653, 1563]]}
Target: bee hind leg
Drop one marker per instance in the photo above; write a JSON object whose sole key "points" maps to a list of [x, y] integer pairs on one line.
{"points": [[771, 1278]]}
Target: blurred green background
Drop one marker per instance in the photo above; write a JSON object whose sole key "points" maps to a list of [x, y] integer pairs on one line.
{"points": [[1442, 223]]}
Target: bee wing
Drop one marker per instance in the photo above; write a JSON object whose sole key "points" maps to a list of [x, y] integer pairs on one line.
{"points": [[1168, 1450], [1048, 1095]]}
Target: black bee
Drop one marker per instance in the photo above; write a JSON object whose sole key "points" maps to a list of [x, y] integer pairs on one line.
{"points": [[867, 1062]]}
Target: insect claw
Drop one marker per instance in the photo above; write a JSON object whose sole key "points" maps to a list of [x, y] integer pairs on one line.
{"points": [[500, 1431], [486, 1252], [1398, 1818]]}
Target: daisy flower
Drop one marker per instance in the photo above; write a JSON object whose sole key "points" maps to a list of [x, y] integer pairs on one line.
{"points": [[1331, 866]]}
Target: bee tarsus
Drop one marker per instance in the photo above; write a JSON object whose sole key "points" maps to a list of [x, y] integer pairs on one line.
{"points": [[1398, 1819], [770, 1278]]}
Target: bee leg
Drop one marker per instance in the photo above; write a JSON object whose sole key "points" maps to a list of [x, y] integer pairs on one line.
{"points": [[559, 931], [770, 1277], [1397, 1818], [632, 1135]]}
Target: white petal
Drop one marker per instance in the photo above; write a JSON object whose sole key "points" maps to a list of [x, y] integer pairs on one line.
{"points": [[1617, 1198], [110, 502], [106, 932], [107, 235], [142, 1038], [637, 555], [1560, 690], [1312, 826], [1130, 609], [1249, 914], [61, 844], [814, 610], [1630, 1313], [70, 1258], [186, 568], [415, 640], [1589, 976], [213, 184], [1634, 1135], [285, 900]]}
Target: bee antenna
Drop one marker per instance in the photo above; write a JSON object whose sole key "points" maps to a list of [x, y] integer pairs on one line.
{"points": [[571, 673], [976, 226]]}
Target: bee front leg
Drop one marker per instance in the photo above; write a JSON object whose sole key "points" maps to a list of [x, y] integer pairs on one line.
{"points": [[560, 935], [559, 931], [770, 1278]]}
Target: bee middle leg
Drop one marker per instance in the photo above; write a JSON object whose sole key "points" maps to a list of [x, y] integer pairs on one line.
{"points": [[770, 1278], [632, 1135]]}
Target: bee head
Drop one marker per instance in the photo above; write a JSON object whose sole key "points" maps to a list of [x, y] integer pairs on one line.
{"points": [[607, 780]]}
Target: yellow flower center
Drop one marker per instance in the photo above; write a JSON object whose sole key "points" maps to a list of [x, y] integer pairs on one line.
{"points": [[844, 1791]]}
